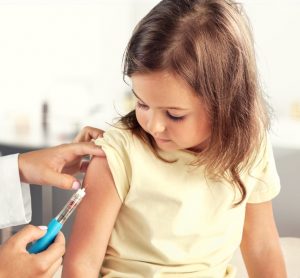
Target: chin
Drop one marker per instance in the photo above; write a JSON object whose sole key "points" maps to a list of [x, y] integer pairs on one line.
{"points": [[169, 148]]}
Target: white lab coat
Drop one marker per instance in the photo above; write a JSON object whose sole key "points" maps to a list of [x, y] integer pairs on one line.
{"points": [[15, 201]]}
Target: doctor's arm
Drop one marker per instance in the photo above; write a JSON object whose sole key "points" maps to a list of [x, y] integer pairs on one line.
{"points": [[260, 244], [95, 218]]}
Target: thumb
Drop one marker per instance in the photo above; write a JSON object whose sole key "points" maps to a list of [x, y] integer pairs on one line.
{"points": [[62, 180], [28, 234]]}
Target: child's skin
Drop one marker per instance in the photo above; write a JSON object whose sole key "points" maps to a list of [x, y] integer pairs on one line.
{"points": [[168, 113]]}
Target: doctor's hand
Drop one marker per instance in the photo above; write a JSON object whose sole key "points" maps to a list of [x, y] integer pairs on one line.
{"points": [[15, 261], [57, 165], [87, 134]]}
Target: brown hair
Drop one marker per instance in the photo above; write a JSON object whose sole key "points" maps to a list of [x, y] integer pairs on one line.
{"points": [[208, 44]]}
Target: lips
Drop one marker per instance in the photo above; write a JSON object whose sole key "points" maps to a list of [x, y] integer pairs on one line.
{"points": [[161, 139]]}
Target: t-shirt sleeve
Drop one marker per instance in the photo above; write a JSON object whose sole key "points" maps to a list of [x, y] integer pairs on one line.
{"points": [[115, 143], [266, 179]]}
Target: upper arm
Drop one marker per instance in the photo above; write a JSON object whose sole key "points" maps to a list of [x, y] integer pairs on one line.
{"points": [[94, 221], [260, 244]]}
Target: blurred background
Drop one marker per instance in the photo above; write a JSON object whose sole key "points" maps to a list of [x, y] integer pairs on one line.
{"points": [[61, 69]]}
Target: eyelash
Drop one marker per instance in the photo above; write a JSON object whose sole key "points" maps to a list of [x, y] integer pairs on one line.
{"points": [[175, 118], [142, 106], [171, 117]]}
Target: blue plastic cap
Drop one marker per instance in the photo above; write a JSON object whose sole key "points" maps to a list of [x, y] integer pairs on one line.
{"points": [[43, 243]]}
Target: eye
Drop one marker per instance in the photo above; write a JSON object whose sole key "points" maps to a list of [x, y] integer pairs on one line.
{"points": [[175, 118], [142, 105]]}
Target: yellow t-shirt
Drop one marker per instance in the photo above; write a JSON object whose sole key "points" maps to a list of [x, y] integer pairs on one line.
{"points": [[174, 222]]}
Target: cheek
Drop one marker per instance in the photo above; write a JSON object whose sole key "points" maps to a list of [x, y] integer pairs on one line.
{"points": [[141, 118], [194, 132], [203, 131]]}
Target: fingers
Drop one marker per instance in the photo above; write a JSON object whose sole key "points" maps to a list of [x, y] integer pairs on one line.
{"points": [[87, 148], [66, 162], [46, 166], [87, 134], [54, 252], [60, 239], [55, 269], [61, 180], [28, 234]]}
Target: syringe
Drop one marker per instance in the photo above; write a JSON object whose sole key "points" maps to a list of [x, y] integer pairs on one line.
{"points": [[56, 223]]}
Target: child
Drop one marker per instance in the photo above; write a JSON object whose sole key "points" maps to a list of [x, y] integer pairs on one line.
{"points": [[189, 174]]}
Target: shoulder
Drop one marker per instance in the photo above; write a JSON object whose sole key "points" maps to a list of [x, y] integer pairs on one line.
{"points": [[117, 145], [263, 155], [116, 136], [123, 139]]}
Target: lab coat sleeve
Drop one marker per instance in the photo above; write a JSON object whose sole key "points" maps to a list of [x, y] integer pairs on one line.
{"points": [[15, 200]]}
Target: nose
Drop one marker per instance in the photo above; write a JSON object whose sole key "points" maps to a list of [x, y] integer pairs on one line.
{"points": [[155, 124]]}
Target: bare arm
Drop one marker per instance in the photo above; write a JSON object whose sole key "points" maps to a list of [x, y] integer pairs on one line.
{"points": [[94, 222], [260, 243]]}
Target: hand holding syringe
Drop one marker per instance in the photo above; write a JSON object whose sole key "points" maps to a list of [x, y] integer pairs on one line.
{"points": [[56, 223]]}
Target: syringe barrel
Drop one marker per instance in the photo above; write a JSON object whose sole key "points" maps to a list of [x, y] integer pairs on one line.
{"points": [[70, 206]]}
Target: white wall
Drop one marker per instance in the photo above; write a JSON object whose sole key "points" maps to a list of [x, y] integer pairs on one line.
{"points": [[276, 28], [68, 53]]}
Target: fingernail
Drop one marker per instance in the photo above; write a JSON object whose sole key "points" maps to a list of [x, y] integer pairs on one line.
{"points": [[76, 185], [43, 227]]}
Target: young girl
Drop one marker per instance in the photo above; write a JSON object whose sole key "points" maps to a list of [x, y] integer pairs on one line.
{"points": [[189, 174]]}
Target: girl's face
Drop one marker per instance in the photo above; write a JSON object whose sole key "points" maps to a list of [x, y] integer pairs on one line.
{"points": [[169, 110]]}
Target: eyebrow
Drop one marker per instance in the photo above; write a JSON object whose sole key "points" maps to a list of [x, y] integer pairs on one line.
{"points": [[170, 107]]}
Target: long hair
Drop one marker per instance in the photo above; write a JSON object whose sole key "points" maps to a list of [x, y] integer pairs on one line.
{"points": [[209, 45]]}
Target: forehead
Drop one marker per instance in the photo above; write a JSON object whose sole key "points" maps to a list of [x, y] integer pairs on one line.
{"points": [[163, 89]]}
